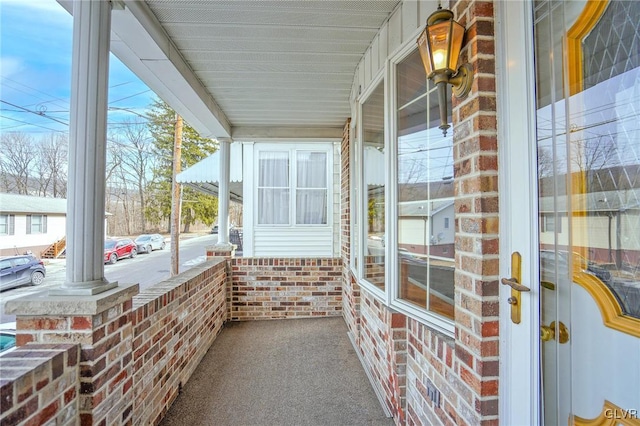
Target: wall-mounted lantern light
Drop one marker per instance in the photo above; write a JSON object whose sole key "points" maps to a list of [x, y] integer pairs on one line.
{"points": [[439, 45]]}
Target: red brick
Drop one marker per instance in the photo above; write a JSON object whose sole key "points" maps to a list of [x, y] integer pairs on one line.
{"points": [[81, 323], [490, 328]]}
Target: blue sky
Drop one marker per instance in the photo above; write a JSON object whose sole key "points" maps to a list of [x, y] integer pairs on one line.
{"points": [[35, 71]]}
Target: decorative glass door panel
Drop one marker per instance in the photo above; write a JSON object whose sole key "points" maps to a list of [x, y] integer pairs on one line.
{"points": [[588, 143]]}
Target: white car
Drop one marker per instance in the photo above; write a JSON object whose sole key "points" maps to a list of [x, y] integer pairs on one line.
{"points": [[148, 242]]}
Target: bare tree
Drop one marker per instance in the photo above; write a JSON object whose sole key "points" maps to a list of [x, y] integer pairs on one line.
{"points": [[17, 160], [545, 162], [52, 166], [593, 154], [129, 169]]}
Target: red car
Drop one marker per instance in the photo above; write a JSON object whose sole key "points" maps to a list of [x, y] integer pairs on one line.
{"points": [[118, 248]]}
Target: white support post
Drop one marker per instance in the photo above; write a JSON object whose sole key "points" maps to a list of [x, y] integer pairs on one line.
{"points": [[87, 150], [223, 191]]}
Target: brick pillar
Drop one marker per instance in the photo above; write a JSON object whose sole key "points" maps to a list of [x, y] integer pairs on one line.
{"points": [[350, 287], [228, 252], [102, 326], [477, 240]]}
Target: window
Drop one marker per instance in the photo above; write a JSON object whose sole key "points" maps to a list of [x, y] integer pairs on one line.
{"points": [[5, 264], [355, 196], [303, 197], [425, 195], [273, 188], [549, 223], [7, 224], [373, 166], [311, 188], [36, 224]]}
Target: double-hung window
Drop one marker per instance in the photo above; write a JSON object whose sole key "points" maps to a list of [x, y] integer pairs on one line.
{"points": [[373, 221], [425, 196], [7, 224], [36, 224], [273, 188], [293, 187]]}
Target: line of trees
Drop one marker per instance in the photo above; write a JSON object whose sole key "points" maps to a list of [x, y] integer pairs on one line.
{"points": [[138, 173]]}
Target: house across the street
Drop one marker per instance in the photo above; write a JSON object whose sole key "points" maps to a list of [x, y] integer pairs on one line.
{"points": [[29, 223]]}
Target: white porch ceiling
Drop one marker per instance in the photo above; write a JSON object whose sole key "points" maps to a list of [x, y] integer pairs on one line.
{"points": [[275, 63], [262, 67]]}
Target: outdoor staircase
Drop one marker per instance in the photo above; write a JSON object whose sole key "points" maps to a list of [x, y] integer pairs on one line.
{"points": [[55, 250]]}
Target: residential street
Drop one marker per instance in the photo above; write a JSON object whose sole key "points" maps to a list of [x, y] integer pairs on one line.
{"points": [[144, 269]]}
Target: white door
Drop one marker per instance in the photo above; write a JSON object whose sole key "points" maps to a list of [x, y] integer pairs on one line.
{"points": [[571, 207]]}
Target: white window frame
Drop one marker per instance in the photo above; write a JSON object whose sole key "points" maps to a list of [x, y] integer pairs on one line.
{"points": [[431, 319], [363, 198], [354, 184], [390, 295], [9, 222], [292, 149], [43, 224]]}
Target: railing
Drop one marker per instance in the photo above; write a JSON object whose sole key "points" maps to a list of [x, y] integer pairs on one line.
{"points": [[54, 250]]}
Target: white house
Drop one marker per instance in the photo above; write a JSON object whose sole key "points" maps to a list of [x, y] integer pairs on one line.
{"points": [[30, 223]]}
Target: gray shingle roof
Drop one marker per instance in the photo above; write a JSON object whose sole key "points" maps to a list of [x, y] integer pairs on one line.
{"points": [[13, 203]]}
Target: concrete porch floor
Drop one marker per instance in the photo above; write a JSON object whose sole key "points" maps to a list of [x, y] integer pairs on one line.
{"points": [[287, 372]]}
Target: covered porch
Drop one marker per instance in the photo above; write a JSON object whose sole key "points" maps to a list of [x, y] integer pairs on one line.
{"points": [[102, 353], [302, 372]]}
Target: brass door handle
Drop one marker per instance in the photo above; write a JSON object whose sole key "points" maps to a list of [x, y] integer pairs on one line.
{"points": [[516, 287], [514, 284], [549, 332]]}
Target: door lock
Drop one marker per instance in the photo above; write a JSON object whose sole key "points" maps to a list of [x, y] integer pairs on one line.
{"points": [[548, 333], [516, 287]]}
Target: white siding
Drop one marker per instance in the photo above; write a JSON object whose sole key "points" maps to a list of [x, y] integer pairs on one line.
{"points": [[56, 229], [402, 27], [293, 242]]}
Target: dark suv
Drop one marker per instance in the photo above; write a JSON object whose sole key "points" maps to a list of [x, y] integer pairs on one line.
{"points": [[19, 270]]}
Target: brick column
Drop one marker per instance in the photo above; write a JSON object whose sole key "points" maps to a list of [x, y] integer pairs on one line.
{"points": [[228, 252], [102, 326], [350, 287], [477, 240]]}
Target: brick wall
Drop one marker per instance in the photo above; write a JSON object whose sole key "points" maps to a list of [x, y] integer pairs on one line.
{"points": [[105, 361], [39, 385], [383, 338], [350, 288], [445, 380], [276, 288], [464, 370], [174, 324]]}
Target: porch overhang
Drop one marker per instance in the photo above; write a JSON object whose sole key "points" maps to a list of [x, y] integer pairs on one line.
{"points": [[246, 70], [204, 176]]}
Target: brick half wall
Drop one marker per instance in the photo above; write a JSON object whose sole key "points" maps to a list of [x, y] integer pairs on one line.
{"points": [[39, 384], [174, 324], [279, 288]]}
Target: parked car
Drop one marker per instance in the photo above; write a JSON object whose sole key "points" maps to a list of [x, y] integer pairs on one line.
{"points": [[19, 270], [118, 248], [146, 243], [214, 230], [7, 337]]}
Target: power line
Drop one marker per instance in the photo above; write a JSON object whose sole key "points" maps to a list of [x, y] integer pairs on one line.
{"points": [[31, 124], [130, 96], [34, 112]]}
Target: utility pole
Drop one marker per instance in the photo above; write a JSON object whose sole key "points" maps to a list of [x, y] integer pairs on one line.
{"points": [[176, 200]]}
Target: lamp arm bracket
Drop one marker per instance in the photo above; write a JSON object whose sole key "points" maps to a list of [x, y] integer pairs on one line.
{"points": [[462, 80]]}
